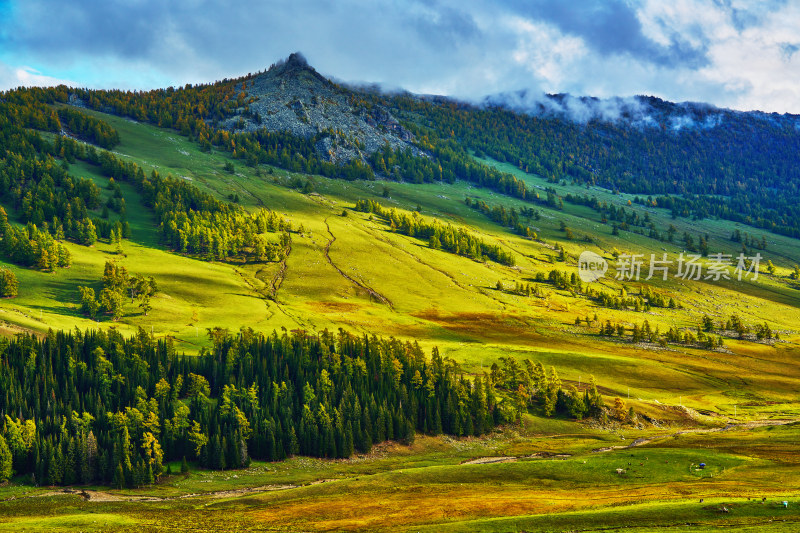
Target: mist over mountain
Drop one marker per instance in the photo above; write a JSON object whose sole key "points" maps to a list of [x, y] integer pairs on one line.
{"points": [[276, 92], [637, 111]]}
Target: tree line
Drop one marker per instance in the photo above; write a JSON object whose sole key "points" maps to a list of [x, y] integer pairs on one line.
{"points": [[642, 302], [509, 218], [530, 387], [439, 236], [88, 128], [28, 246], [707, 334]]}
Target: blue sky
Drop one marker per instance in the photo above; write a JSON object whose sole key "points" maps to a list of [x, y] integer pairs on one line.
{"points": [[730, 53]]}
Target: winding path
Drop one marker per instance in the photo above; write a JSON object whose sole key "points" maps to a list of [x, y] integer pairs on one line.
{"points": [[372, 292], [448, 275], [277, 280], [744, 425]]}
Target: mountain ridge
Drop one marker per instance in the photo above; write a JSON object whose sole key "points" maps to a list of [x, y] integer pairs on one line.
{"points": [[639, 110]]}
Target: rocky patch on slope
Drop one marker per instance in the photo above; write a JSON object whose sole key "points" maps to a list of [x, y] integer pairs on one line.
{"points": [[293, 97]]}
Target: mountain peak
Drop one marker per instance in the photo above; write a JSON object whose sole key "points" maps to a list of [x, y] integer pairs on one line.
{"points": [[293, 97], [294, 65], [297, 59]]}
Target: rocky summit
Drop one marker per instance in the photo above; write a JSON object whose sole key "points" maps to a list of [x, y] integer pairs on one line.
{"points": [[293, 97]]}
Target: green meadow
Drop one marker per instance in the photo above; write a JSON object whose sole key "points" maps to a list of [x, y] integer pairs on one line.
{"points": [[540, 475], [515, 480]]}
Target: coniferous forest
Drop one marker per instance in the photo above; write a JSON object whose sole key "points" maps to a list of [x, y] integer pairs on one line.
{"points": [[730, 170], [97, 407]]}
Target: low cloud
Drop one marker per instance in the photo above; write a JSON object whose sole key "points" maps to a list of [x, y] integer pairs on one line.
{"points": [[577, 109], [639, 111], [13, 77]]}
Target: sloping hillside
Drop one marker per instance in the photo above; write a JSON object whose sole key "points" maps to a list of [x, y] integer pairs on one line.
{"points": [[357, 272]]}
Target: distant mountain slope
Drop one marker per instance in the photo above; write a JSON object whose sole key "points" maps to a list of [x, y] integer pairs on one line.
{"points": [[414, 262], [738, 166], [693, 159]]}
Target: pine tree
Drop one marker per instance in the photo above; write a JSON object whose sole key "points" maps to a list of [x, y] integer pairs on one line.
{"points": [[111, 301], [70, 462], [83, 467], [89, 305], [55, 467]]}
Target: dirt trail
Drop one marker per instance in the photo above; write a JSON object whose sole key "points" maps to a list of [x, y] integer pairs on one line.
{"points": [[372, 292], [744, 425], [274, 300], [491, 460], [277, 281], [514, 458], [105, 496], [446, 274]]}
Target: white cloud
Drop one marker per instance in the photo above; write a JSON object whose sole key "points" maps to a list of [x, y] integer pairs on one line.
{"points": [[749, 66], [547, 54], [12, 77], [726, 52], [696, 21]]}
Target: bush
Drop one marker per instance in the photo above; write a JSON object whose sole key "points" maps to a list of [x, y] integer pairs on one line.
{"points": [[8, 283]]}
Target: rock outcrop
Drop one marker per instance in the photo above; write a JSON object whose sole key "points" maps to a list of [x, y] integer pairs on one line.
{"points": [[293, 97]]}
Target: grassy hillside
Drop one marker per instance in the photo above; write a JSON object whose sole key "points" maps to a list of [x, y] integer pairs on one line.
{"points": [[435, 297], [348, 269]]}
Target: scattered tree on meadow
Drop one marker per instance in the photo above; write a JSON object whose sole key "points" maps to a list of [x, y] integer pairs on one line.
{"points": [[8, 283]]}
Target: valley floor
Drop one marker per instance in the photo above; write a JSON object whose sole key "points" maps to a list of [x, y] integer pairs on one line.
{"points": [[546, 475]]}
